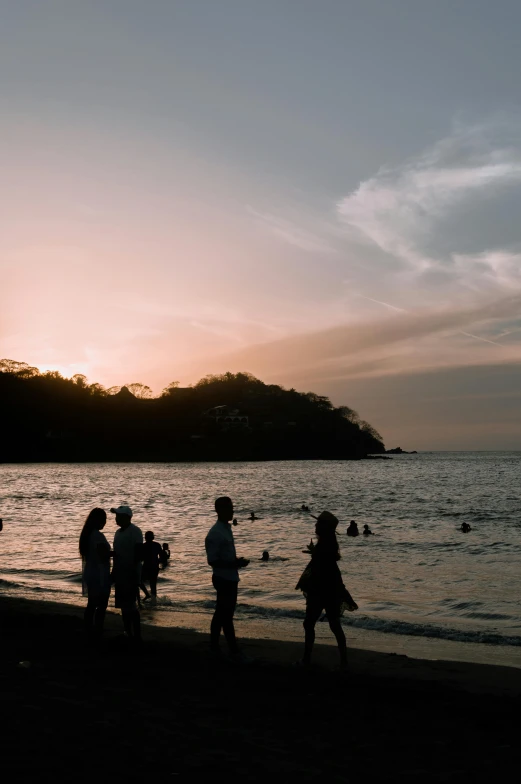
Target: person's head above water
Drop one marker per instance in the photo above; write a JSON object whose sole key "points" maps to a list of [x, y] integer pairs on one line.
{"points": [[265, 556], [224, 508], [366, 527], [123, 515], [149, 536]]}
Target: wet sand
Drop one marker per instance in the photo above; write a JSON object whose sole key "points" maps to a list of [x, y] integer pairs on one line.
{"points": [[168, 711]]}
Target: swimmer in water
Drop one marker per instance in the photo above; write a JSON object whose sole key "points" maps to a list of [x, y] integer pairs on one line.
{"points": [[465, 528], [252, 516], [367, 531], [304, 508], [266, 557], [352, 529]]}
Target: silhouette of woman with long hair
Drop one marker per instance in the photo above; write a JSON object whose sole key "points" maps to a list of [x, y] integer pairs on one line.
{"points": [[95, 554], [323, 587]]}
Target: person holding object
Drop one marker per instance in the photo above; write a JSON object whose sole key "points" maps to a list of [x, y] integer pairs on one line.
{"points": [[126, 572], [221, 555], [322, 585]]}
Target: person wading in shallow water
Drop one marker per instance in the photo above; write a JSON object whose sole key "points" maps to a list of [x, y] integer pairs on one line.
{"points": [[152, 557], [126, 573], [221, 555], [322, 585]]}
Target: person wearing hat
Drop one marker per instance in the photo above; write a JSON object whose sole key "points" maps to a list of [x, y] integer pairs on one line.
{"points": [[323, 587], [126, 572]]}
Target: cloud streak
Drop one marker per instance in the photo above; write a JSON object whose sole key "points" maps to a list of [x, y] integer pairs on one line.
{"points": [[366, 348], [292, 233], [399, 208]]}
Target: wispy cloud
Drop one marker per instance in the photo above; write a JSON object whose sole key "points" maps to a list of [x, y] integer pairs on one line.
{"points": [[292, 233], [411, 340], [402, 208]]}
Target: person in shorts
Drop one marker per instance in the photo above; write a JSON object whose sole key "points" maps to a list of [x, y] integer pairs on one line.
{"points": [[126, 572]]}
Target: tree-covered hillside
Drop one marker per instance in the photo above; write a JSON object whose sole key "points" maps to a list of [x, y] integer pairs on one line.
{"points": [[45, 417]]}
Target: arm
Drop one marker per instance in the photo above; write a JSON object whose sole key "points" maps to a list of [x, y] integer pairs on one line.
{"points": [[215, 559]]}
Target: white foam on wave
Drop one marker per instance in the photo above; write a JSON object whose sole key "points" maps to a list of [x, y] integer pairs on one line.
{"points": [[383, 625]]}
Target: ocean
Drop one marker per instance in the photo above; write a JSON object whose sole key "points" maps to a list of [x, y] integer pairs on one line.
{"points": [[418, 579]]}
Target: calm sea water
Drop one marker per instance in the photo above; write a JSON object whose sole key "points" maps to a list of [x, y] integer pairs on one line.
{"points": [[418, 576]]}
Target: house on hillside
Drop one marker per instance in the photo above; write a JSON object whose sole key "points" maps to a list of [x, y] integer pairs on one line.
{"points": [[226, 417]]}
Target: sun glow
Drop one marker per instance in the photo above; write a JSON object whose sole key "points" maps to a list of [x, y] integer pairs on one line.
{"points": [[67, 371]]}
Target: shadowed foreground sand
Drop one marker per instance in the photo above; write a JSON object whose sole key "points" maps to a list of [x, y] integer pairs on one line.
{"points": [[168, 712]]}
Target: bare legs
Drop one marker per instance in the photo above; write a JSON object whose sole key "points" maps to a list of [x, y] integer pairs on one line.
{"points": [[94, 615], [314, 609], [132, 623], [223, 615], [152, 579]]}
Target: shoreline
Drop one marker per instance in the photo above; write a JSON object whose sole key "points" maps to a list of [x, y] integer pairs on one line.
{"points": [[120, 713], [289, 630], [475, 676], [194, 460]]}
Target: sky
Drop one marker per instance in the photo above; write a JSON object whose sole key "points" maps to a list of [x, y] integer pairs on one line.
{"points": [[325, 194]]}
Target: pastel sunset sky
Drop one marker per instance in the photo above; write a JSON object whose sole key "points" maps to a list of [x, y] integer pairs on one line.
{"points": [[325, 193]]}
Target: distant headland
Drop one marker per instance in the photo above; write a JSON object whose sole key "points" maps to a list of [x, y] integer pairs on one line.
{"points": [[227, 417]]}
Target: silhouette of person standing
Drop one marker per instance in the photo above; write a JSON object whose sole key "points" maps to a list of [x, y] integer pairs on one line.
{"points": [[221, 555], [166, 554], [152, 557], [126, 573], [95, 555], [323, 587]]}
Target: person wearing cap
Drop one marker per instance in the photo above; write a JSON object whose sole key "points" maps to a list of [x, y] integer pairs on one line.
{"points": [[323, 587], [221, 555], [126, 572]]}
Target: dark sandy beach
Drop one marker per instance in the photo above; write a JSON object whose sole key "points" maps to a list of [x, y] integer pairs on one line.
{"points": [[168, 712]]}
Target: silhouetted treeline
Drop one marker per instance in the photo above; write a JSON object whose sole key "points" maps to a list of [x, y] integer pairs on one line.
{"points": [[45, 417]]}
